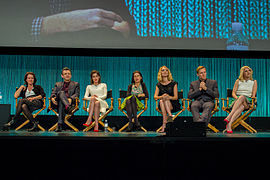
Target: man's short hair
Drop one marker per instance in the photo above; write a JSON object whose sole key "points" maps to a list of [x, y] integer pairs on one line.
{"points": [[66, 69], [199, 68]]}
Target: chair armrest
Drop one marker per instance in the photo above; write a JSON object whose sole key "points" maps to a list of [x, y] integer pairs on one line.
{"points": [[16, 99], [253, 102], [157, 104], [112, 100], [223, 103], [44, 102], [85, 104], [188, 105], [145, 103], [119, 103], [77, 100], [183, 103], [216, 105], [216, 102]]}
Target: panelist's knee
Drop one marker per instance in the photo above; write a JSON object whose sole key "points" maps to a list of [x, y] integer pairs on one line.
{"points": [[97, 103]]}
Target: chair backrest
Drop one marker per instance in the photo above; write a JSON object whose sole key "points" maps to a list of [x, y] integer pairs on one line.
{"points": [[122, 93], [229, 93], [180, 94], [109, 94]]}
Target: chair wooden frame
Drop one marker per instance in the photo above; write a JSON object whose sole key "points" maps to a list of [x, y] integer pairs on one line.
{"points": [[215, 110], [34, 115], [180, 96], [67, 117], [241, 119], [122, 94], [85, 106]]}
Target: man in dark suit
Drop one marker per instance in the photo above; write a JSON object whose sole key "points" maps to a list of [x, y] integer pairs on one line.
{"points": [[203, 91], [64, 94]]}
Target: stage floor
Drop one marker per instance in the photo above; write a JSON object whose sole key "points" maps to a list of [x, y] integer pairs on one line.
{"points": [[110, 135]]}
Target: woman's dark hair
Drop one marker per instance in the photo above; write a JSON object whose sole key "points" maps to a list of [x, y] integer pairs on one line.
{"points": [[91, 74], [132, 79], [25, 77]]}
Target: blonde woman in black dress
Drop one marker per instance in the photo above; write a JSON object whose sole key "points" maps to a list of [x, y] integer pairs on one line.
{"points": [[167, 93]]}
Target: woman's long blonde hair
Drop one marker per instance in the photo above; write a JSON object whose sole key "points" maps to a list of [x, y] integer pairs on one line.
{"points": [[241, 76], [159, 77]]}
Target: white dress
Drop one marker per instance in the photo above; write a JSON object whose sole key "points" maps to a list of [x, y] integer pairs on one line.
{"points": [[245, 88], [100, 91]]}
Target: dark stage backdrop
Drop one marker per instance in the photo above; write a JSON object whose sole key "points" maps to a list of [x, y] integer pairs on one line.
{"points": [[117, 71]]}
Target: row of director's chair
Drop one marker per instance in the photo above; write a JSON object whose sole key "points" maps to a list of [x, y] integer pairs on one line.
{"points": [[122, 95]]}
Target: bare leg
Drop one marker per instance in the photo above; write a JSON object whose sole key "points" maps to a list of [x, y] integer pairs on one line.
{"points": [[235, 115], [97, 111], [91, 111], [240, 101], [164, 114], [168, 107]]}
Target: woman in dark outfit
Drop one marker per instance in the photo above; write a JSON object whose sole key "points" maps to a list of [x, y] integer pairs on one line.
{"points": [[137, 91], [167, 93], [31, 95]]}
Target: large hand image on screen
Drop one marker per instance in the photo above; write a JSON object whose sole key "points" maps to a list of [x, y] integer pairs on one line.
{"points": [[177, 24], [66, 23]]}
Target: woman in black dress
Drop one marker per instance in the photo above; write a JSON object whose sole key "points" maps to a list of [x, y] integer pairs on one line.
{"points": [[167, 93], [32, 95]]}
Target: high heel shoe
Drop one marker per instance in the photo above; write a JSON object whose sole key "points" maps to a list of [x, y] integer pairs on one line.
{"points": [[229, 132], [87, 125], [96, 130], [226, 120]]}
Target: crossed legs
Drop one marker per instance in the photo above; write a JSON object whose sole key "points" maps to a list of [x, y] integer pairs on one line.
{"points": [[166, 108], [94, 108], [131, 107], [22, 107], [239, 106], [63, 103]]}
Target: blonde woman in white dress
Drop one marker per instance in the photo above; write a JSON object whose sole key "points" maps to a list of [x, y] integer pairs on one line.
{"points": [[96, 93], [245, 88]]}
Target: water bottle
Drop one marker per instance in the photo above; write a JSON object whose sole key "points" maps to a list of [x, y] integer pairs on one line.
{"points": [[106, 126], [1, 98], [237, 41]]}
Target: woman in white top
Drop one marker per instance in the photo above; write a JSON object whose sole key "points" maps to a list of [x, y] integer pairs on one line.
{"points": [[245, 88], [96, 93]]}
